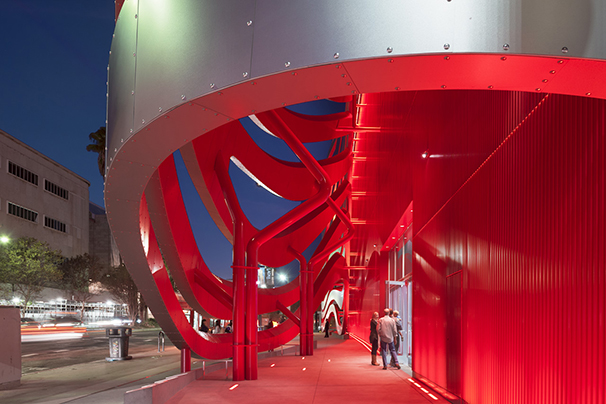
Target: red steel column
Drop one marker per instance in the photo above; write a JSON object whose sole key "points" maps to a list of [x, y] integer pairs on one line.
{"points": [[239, 324], [238, 268], [251, 337], [304, 313]]}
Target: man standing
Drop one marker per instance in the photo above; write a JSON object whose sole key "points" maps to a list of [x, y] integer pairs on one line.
{"points": [[387, 330]]}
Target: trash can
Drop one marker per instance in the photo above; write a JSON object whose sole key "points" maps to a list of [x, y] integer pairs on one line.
{"points": [[118, 343]]}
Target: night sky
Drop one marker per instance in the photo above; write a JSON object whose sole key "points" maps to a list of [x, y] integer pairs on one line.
{"points": [[53, 95], [54, 70]]}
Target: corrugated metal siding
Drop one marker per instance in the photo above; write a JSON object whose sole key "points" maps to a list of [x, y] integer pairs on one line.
{"points": [[528, 231]]}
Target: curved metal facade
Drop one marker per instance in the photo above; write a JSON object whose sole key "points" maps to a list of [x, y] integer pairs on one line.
{"points": [[182, 74]]}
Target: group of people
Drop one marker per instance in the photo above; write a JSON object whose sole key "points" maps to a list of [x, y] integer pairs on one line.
{"points": [[217, 329], [388, 331]]}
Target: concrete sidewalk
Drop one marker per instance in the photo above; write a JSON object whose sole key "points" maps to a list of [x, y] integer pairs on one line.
{"points": [[339, 371], [95, 382]]}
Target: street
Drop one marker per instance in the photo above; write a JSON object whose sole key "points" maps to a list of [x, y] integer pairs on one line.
{"points": [[43, 355]]}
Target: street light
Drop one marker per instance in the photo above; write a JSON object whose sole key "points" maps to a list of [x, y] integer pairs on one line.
{"points": [[282, 277], [4, 239]]}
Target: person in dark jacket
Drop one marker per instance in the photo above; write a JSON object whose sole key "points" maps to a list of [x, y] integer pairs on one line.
{"points": [[374, 338], [326, 328], [203, 326]]}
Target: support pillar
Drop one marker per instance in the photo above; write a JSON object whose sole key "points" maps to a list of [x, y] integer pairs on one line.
{"points": [[239, 296], [185, 359], [251, 323], [310, 310]]}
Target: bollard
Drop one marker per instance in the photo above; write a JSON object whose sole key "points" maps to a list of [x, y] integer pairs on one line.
{"points": [[161, 339]]}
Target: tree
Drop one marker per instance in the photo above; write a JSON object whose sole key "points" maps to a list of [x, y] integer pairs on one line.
{"points": [[79, 273], [29, 266], [98, 146], [119, 283]]}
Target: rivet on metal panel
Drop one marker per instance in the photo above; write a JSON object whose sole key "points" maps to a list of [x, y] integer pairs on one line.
{"points": [[503, 58], [338, 66], [446, 46], [131, 131], [253, 111], [349, 83], [552, 71], [245, 74], [336, 55], [490, 87], [253, 83], [216, 114], [538, 89], [135, 15], [121, 140], [564, 50], [560, 61], [212, 85], [134, 54], [182, 96], [316, 97], [390, 60], [294, 73], [159, 109], [132, 92], [443, 86], [397, 88], [220, 93], [110, 52], [545, 80], [249, 23], [588, 93], [283, 103], [190, 104], [287, 64], [353, 92], [505, 46], [389, 50], [344, 75], [115, 150], [142, 120], [446, 57]]}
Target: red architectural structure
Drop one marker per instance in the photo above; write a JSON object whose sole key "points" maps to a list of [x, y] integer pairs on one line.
{"points": [[466, 188]]}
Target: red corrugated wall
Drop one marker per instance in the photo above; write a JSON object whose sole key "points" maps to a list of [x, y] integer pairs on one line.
{"points": [[510, 228]]}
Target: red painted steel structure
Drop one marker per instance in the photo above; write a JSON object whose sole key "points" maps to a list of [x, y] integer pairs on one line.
{"points": [[508, 231]]}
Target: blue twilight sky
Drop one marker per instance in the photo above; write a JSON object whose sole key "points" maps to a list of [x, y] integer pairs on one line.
{"points": [[54, 56], [52, 95]]}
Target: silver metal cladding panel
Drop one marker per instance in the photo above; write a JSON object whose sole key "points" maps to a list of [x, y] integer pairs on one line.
{"points": [[184, 49], [120, 105], [548, 26], [307, 33]]}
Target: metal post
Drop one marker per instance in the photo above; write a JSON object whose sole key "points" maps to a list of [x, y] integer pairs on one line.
{"points": [[238, 268], [303, 285], [185, 359], [251, 321], [161, 339], [239, 296]]}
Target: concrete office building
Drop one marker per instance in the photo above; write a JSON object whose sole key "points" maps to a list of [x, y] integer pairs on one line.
{"points": [[40, 198]]}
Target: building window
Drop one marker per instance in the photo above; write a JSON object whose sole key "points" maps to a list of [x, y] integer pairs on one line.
{"points": [[22, 212], [56, 189], [22, 173], [54, 224]]}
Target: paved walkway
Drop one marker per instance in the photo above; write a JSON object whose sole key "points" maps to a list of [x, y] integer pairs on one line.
{"points": [[339, 371]]}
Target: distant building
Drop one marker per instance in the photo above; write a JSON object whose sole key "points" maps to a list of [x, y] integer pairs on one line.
{"points": [[40, 198], [101, 240]]}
